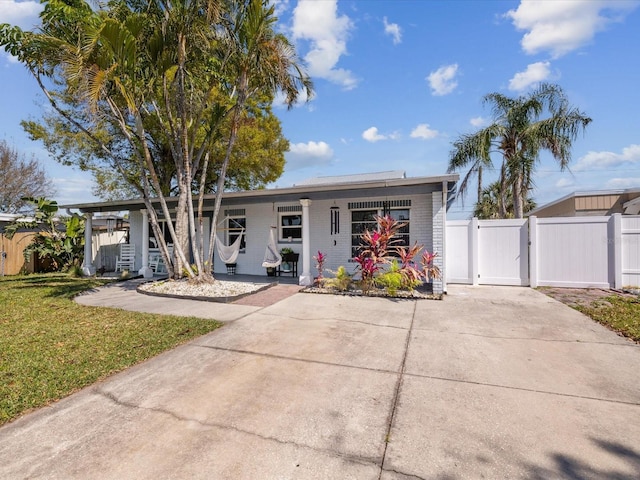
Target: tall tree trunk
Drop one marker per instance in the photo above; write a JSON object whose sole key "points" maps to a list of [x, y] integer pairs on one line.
{"points": [[517, 196], [502, 194], [479, 184]]}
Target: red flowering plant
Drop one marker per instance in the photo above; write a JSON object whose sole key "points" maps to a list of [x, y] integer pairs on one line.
{"points": [[411, 273], [430, 270], [375, 249], [382, 262], [320, 259]]}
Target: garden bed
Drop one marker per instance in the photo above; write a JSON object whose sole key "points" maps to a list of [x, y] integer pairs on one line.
{"points": [[420, 293]]}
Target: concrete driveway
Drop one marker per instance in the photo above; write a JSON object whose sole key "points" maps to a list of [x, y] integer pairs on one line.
{"points": [[492, 382]]}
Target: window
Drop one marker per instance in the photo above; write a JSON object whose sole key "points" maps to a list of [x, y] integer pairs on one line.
{"points": [[402, 236], [362, 220], [234, 228], [291, 227], [164, 229]]}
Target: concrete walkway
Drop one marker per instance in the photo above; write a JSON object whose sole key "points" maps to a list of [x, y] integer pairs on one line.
{"points": [[492, 382]]}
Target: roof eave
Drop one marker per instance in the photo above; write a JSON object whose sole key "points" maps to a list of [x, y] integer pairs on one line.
{"points": [[117, 205]]}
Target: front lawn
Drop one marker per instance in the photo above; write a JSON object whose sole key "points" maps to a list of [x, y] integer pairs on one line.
{"points": [[50, 346], [621, 314]]}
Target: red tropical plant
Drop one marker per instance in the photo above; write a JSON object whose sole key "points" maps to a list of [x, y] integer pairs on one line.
{"points": [[320, 259]]}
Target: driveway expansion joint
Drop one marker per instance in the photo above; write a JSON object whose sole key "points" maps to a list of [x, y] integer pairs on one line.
{"points": [[396, 395], [294, 359], [337, 319], [628, 343], [408, 475], [523, 389]]}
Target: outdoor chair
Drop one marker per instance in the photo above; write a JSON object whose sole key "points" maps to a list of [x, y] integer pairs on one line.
{"points": [[155, 259], [127, 257]]}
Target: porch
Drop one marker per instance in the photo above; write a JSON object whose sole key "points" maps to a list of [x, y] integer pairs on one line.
{"points": [[257, 279]]}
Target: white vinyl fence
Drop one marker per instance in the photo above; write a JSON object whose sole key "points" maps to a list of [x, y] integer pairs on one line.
{"points": [[599, 252]]}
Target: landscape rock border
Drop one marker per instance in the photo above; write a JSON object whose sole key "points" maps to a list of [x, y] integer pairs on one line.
{"points": [[400, 295], [203, 298]]}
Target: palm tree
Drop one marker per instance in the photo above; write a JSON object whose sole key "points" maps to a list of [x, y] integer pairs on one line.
{"points": [[257, 59], [184, 66], [489, 205], [518, 134]]}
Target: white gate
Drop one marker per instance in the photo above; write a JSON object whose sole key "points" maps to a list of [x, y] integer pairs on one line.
{"points": [[487, 252], [602, 252], [503, 252]]}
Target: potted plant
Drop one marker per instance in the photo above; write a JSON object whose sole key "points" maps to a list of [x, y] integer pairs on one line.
{"points": [[287, 255]]}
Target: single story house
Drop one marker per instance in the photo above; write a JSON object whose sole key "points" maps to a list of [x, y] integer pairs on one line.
{"points": [[325, 214], [592, 203]]}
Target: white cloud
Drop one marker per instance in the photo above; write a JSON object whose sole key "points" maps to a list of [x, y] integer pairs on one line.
{"points": [[630, 156], [372, 135], [23, 14], [535, 73], [76, 188], [394, 30], [563, 26], [281, 6], [279, 100], [564, 183], [318, 22], [423, 131], [442, 81], [626, 182], [301, 155], [479, 122]]}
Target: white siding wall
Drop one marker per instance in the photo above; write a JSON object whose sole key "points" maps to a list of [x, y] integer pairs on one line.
{"points": [[260, 218], [104, 248], [437, 236], [337, 247]]}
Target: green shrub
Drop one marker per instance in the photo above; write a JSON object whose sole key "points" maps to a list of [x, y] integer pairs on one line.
{"points": [[342, 280]]}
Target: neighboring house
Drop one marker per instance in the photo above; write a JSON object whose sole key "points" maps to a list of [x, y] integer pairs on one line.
{"points": [[324, 214], [593, 203]]}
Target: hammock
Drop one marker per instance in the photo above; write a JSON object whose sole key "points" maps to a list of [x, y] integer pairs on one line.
{"points": [[271, 256], [229, 254]]}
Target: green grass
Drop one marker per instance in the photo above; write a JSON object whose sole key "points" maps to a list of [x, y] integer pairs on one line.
{"points": [[50, 346], [621, 314]]}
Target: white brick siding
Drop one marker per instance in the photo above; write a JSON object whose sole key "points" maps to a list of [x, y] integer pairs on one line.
{"points": [[438, 237], [426, 215]]}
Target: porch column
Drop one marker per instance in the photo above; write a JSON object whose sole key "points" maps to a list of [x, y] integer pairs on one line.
{"points": [[87, 264], [145, 271], [306, 278]]}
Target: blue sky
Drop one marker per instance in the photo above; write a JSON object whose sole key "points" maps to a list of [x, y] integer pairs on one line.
{"points": [[396, 82]]}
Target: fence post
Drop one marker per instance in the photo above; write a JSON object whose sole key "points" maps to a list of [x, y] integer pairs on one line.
{"points": [[533, 251], [616, 244], [473, 250]]}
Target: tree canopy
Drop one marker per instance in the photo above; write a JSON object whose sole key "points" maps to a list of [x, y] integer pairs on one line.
{"points": [[518, 133], [168, 77], [20, 177]]}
